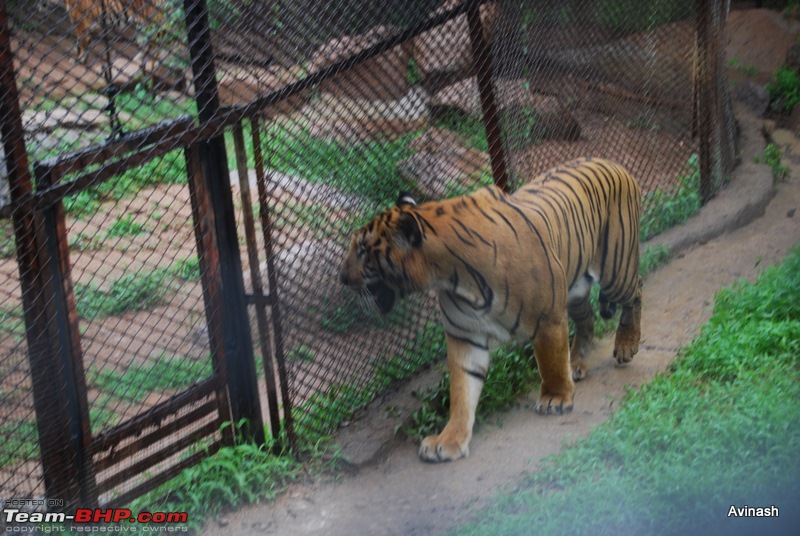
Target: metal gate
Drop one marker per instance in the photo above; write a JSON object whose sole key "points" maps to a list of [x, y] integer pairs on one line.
{"points": [[100, 440]]}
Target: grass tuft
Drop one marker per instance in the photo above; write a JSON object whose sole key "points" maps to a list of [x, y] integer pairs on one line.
{"points": [[236, 475], [664, 209], [772, 157]]}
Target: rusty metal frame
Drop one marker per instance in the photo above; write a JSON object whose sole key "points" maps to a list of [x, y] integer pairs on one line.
{"points": [[49, 308], [272, 281], [704, 94], [241, 373], [260, 300]]}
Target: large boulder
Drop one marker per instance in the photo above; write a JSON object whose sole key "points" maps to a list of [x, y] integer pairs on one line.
{"points": [[241, 85], [351, 120], [444, 54], [760, 38], [525, 116], [443, 166], [383, 77]]}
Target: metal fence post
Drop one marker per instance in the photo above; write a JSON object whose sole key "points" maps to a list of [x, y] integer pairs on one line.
{"points": [[482, 67], [51, 330], [240, 364], [704, 96]]}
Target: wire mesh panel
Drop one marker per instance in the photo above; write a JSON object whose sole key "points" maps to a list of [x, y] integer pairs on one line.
{"points": [[20, 470], [568, 79]]}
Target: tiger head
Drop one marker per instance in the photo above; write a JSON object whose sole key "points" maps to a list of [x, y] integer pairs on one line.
{"points": [[385, 262]]}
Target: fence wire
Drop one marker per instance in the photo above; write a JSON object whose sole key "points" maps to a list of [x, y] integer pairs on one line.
{"points": [[612, 79]]}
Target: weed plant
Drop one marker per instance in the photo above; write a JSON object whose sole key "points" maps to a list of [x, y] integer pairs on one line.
{"points": [[133, 291], [772, 157], [316, 418], [662, 209], [243, 473], [156, 375], [784, 90]]}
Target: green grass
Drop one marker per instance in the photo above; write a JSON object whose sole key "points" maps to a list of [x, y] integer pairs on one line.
{"points": [[134, 291], [171, 169], [747, 69], [21, 441], [720, 428], [158, 374], [652, 258], [12, 322], [469, 127], [518, 129], [365, 168], [662, 209], [234, 476], [143, 109], [772, 157], [125, 226], [784, 90], [317, 417], [302, 353]]}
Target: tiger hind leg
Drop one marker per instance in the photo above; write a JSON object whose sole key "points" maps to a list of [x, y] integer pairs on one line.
{"points": [[551, 350], [582, 315], [629, 329]]}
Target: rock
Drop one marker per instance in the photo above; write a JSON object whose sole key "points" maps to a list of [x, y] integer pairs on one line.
{"points": [[442, 165], [384, 77], [445, 53], [523, 113], [753, 95], [73, 118], [746, 30], [632, 64], [349, 120], [241, 85], [793, 122], [793, 57]]}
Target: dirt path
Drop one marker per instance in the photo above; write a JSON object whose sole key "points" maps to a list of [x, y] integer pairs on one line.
{"points": [[397, 494]]}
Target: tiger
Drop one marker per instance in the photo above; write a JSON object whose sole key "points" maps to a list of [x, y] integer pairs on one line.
{"points": [[511, 266], [91, 16]]}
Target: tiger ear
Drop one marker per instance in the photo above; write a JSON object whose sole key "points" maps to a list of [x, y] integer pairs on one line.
{"points": [[406, 198], [408, 232]]}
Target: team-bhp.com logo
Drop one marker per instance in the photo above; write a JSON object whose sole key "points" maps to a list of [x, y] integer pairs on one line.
{"points": [[142, 521]]}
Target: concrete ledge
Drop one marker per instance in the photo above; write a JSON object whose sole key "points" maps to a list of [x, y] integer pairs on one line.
{"points": [[742, 201]]}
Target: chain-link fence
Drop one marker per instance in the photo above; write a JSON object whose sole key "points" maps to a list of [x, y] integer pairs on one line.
{"points": [[176, 167]]}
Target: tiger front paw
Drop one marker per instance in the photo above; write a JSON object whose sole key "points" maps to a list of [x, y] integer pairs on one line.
{"points": [[437, 449], [550, 404]]}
